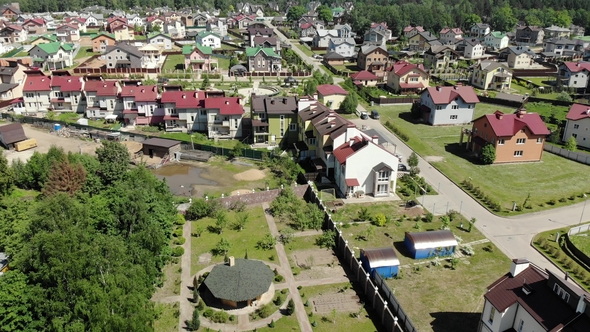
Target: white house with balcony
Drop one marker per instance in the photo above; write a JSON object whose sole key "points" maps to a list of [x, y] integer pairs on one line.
{"points": [[578, 125], [209, 39], [224, 117], [54, 55], [448, 105]]}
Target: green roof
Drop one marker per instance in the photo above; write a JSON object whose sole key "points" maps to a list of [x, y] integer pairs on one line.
{"points": [[244, 281], [52, 48], [188, 49], [203, 34], [498, 34], [252, 51], [110, 35], [48, 37], [153, 34]]}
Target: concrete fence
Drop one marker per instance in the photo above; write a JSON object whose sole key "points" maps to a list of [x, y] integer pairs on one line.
{"points": [[580, 157], [578, 254], [377, 293]]}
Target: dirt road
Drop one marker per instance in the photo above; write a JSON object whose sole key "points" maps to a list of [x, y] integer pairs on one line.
{"points": [[45, 140]]}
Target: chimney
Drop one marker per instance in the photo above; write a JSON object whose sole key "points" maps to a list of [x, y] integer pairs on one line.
{"points": [[231, 261], [588, 111], [578, 64], [272, 101], [520, 113], [518, 265], [438, 88], [375, 139], [456, 87], [499, 115], [227, 102], [351, 141], [284, 100], [183, 96]]}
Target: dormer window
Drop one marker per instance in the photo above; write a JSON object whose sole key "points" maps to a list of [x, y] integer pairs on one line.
{"points": [[561, 292]]}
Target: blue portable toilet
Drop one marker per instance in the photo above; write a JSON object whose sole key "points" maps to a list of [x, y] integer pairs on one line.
{"points": [[56, 126], [380, 260], [430, 244]]}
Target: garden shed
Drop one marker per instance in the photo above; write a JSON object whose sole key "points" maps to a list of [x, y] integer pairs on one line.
{"points": [[160, 147], [10, 134], [380, 260], [240, 282], [430, 244]]}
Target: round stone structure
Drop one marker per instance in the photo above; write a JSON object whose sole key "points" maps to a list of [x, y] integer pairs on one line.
{"points": [[239, 282]]}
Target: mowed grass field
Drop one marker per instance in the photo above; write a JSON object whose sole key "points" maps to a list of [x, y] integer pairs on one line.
{"points": [[553, 178], [582, 242]]}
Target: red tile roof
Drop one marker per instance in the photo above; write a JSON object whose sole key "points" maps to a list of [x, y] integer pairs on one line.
{"points": [[445, 94], [331, 89], [37, 83], [184, 99], [456, 31], [364, 75], [36, 21], [67, 83], [578, 111], [507, 125], [225, 105], [375, 25], [140, 93], [352, 182], [401, 68], [305, 25], [410, 28], [346, 150], [575, 67], [102, 88]]}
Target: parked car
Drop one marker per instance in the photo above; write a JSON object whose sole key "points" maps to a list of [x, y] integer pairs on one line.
{"points": [[402, 168], [364, 115], [375, 115]]}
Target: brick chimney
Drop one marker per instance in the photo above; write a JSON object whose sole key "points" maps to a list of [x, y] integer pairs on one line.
{"points": [[499, 115], [438, 88], [375, 139], [518, 265]]}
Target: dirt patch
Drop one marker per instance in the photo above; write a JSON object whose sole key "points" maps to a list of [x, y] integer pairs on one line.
{"points": [[250, 175], [411, 212], [314, 257], [132, 146], [240, 192], [434, 159], [205, 258], [346, 302]]}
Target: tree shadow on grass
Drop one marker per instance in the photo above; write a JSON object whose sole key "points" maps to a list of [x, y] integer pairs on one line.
{"points": [[460, 150], [455, 321]]}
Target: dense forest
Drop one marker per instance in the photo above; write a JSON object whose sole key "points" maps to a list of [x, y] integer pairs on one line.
{"points": [[87, 238], [432, 14]]}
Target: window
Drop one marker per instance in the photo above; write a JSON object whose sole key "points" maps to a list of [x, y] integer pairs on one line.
{"points": [[574, 135], [500, 141], [576, 126], [520, 140], [282, 123], [520, 325], [453, 117], [112, 103], [172, 111], [455, 107], [561, 292], [32, 95], [518, 153], [192, 118], [438, 107], [492, 314], [235, 123], [383, 176], [292, 127], [75, 99], [311, 141], [382, 189], [539, 140]]}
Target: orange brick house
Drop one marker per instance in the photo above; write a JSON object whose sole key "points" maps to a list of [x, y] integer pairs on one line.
{"points": [[517, 137], [101, 41]]}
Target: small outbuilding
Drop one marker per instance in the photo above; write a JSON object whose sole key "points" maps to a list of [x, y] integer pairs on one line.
{"points": [[160, 147], [382, 261], [430, 244], [239, 282], [10, 134]]}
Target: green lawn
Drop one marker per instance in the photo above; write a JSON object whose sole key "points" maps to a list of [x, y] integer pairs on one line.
{"points": [[438, 298], [174, 62], [241, 242], [540, 180], [343, 320], [304, 49], [229, 144], [582, 242], [85, 52], [21, 54], [543, 81], [545, 243], [68, 117], [166, 317], [140, 37], [286, 323]]}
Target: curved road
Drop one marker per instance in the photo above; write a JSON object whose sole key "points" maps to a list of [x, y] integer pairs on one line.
{"points": [[512, 235]]}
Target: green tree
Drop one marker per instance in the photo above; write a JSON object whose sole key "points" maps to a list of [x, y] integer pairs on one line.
{"points": [[267, 242], [327, 239], [286, 235], [325, 13], [220, 221], [295, 13], [199, 209], [205, 83], [470, 20], [242, 219], [380, 219], [488, 154], [571, 144], [114, 161], [349, 104], [16, 313], [290, 308], [7, 176], [503, 18], [564, 96], [413, 160], [222, 247], [233, 61], [310, 87], [563, 19], [472, 221], [195, 323]]}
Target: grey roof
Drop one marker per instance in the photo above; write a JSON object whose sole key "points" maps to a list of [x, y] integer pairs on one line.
{"points": [[274, 105], [491, 65], [125, 47], [12, 133], [333, 56], [244, 281], [160, 142], [432, 239], [518, 50], [370, 48], [7, 87], [324, 32], [557, 29], [338, 41], [428, 36], [471, 41], [482, 25], [560, 41], [380, 257]]}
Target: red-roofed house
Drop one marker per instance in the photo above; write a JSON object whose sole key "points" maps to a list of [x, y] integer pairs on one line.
{"points": [[529, 298], [224, 115], [517, 137], [183, 111], [66, 93], [331, 95], [68, 33], [13, 34], [79, 21], [578, 124], [35, 26], [115, 22], [450, 36], [574, 74], [102, 98], [365, 78], [448, 105], [37, 92], [407, 77], [411, 31], [140, 105]]}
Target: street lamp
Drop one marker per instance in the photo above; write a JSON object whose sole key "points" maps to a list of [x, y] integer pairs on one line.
{"points": [[584, 208]]}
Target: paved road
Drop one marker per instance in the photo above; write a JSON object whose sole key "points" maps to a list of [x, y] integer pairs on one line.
{"points": [[186, 308], [512, 235]]}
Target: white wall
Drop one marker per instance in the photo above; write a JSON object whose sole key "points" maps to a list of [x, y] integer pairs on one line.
{"points": [[577, 80], [530, 324], [464, 112], [582, 131]]}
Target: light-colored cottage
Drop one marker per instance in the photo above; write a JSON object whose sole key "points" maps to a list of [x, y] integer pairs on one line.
{"points": [[491, 75], [406, 77], [448, 105], [342, 46], [496, 40]]}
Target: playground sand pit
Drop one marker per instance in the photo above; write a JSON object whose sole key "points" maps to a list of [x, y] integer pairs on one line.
{"points": [[341, 302], [250, 175]]}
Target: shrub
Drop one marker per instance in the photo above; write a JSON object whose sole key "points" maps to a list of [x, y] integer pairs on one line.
{"points": [[562, 200], [290, 308], [177, 232], [198, 209], [569, 264], [208, 313], [299, 287], [265, 311], [279, 278], [177, 251], [180, 220], [278, 299], [429, 217], [551, 202], [179, 240], [380, 220], [488, 154], [220, 317], [272, 324], [467, 250], [404, 137]]}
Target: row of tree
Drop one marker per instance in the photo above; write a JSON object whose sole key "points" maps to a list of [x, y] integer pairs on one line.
{"points": [[87, 248]]}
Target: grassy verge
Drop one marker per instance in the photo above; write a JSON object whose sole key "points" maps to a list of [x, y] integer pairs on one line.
{"points": [[240, 242], [545, 243], [286, 323], [304, 49], [85, 52], [166, 317], [174, 62], [229, 144], [582, 242], [547, 188]]}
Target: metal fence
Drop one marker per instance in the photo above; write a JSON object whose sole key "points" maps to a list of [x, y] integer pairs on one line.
{"points": [[579, 229], [580, 157]]}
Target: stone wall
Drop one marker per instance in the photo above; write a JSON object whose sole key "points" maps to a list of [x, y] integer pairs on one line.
{"points": [[260, 197]]}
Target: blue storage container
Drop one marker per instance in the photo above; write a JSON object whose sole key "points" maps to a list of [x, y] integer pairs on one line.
{"points": [[56, 126]]}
